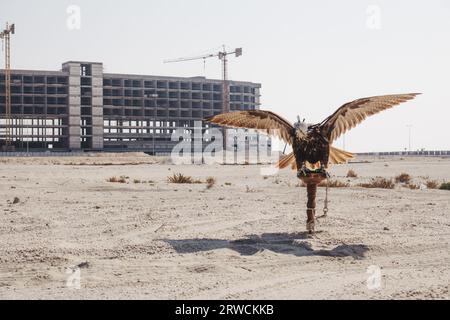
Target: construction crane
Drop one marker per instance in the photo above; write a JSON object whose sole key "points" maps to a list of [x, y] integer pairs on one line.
{"points": [[6, 38], [223, 56]]}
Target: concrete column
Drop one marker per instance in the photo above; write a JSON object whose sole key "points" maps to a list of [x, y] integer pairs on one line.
{"points": [[74, 104], [97, 105]]}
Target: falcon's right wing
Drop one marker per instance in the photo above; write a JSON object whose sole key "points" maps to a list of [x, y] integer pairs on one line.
{"points": [[265, 121]]}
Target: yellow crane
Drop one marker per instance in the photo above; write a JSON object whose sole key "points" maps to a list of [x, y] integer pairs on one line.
{"points": [[223, 56], [5, 35]]}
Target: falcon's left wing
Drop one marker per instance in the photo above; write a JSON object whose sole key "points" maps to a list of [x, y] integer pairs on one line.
{"points": [[353, 113]]}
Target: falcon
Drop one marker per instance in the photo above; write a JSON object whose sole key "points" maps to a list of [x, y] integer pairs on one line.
{"points": [[312, 144]]}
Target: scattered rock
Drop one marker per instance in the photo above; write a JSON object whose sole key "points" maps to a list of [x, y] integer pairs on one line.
{"points": [[84, 264], [386, 228], [16, 200]]}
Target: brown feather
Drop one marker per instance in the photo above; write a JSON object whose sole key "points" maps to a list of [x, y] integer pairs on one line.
{"points": [[286, 161], [266, 121], [337, 156], [353, 113]]}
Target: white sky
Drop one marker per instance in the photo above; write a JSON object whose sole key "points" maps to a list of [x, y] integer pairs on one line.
{"points": [[310, 56]]}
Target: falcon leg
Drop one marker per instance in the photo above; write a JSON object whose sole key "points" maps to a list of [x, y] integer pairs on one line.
{"points": [[311, 206]]}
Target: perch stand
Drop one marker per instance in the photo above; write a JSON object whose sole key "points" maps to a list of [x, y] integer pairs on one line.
{"points": [[311, 178]]}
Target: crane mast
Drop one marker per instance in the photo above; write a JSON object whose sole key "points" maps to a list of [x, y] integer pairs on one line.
{"points": [[5, 35], [223, 56]]}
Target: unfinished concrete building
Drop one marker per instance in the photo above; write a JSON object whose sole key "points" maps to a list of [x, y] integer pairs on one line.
{"points": [[82, 108]]}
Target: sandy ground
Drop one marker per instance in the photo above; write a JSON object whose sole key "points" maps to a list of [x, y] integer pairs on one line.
{"points": [[242, 239]]}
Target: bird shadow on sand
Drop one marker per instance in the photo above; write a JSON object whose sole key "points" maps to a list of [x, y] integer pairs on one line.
{"points": [[285, 243]]}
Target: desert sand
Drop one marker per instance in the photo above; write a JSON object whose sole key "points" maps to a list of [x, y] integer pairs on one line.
{"points": [[244, 238]]}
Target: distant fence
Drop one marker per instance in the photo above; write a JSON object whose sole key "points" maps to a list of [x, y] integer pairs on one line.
{"points": [[41, 154], [80, 154], [68, 153], [408, 153]]}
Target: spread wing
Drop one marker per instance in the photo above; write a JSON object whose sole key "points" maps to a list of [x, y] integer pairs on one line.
{"points": [[265, 121], [353, 113]]}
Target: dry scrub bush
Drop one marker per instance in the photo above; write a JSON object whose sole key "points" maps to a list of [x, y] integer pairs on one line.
{"points": [[180, 178], [334, 184], [121, 179], [403, 178], [379, 182], [210, 182], [432, 184], [352, 174]]}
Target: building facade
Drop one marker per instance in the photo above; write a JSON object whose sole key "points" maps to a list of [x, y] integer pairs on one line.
{"points": [[83, 108]]}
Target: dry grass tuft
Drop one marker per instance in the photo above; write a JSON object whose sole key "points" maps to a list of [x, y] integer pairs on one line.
{"points": [[210, 182], [121, 179], [334, 184], [432, 184], [352, 174], [381, 183], [413, 186], [180, 178], [403, 178]]}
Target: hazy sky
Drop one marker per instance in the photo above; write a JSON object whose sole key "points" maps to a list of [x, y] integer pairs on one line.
{"points": [[309, 56]]}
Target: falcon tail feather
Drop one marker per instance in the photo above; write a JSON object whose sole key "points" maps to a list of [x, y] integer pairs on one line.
{"points": [[337, 156], [286, 161]]}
